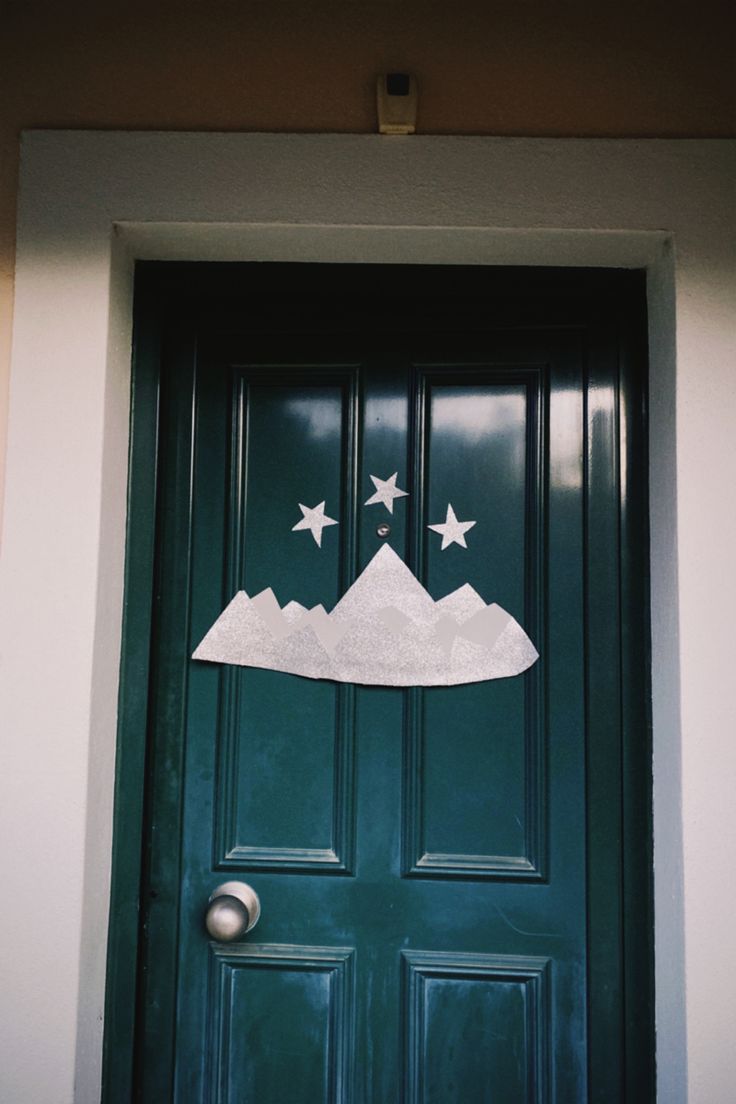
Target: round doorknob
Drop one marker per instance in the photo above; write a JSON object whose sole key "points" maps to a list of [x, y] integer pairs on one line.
{"points": [[233, 910]]}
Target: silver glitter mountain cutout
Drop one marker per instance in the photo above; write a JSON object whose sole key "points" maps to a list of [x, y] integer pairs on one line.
{"points": [[386, 630]]}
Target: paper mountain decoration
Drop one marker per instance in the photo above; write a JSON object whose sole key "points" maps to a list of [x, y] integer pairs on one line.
{"points": [[386, 630]]}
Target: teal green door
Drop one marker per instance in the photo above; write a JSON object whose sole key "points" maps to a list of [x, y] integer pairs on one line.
{"points": [[442, 871]]}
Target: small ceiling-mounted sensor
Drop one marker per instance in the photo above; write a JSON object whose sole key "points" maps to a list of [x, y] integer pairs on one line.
{"points": [[396, 97]]}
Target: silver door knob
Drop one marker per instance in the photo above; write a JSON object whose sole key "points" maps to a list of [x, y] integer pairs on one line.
{"points": [[233, 910]]}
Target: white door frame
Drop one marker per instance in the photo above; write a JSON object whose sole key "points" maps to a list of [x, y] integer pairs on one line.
{"points": [[90, 203]]}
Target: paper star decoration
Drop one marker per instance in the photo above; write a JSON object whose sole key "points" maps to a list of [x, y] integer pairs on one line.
{"points": [[315, 520], [452, 530], [386, 492]]}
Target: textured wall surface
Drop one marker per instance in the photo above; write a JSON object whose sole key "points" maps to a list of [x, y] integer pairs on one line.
{"points": [[500, 67]]}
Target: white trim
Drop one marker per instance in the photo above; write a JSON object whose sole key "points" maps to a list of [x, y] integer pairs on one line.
{"points": [[89, 203]]}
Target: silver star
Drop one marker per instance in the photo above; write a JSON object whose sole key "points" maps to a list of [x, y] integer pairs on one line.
{"points": [[452, 530], [315, 520], [386, 492]]}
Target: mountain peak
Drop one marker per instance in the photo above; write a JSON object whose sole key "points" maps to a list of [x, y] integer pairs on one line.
{"points": [[386, 559], [461, 603], [386, 581]]}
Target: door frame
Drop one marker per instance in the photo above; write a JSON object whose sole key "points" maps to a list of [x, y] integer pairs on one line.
{"points": [[166, 291], [89, 204]]}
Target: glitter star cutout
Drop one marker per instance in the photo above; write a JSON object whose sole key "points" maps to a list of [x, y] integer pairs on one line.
{"points": [[386, 492], [315, 520], [452, 530]]}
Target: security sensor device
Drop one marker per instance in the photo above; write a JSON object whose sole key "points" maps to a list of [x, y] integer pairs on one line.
{"points": [[396, 97]]}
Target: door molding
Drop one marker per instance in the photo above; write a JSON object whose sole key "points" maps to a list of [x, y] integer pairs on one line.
{"points": [[175, 196]]}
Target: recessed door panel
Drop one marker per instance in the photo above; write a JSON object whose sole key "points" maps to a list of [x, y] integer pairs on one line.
{"points": [[281, 1023], [291, 427], [477, 1028], [479, 448]]}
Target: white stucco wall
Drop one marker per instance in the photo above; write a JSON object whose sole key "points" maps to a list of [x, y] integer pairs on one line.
{"points": [[91, 202]]}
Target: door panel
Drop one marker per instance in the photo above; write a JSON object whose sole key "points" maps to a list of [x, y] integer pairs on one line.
{"points": [[293, 1004], [424, 857], [272, 812], [485, 422], [476, 1027]]}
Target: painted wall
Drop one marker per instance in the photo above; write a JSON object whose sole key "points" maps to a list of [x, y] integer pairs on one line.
{"points": [[334, 198], [502, 67]]}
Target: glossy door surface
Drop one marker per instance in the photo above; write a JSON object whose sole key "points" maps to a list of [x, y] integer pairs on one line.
{"points": [[422, 856]]}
